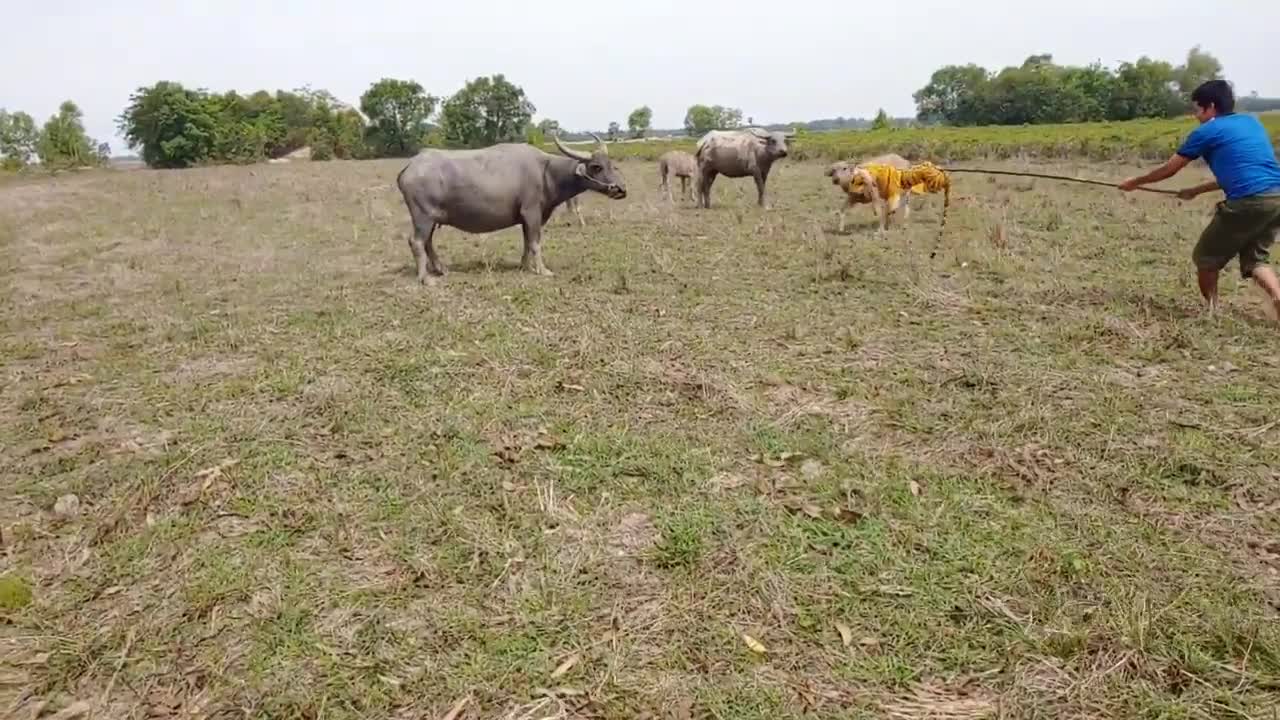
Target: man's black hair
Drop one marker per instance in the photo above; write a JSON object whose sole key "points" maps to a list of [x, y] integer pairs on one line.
{"points": [[1216, 93]]}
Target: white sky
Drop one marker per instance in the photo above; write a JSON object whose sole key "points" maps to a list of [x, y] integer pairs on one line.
{"points": [[587, 64]]}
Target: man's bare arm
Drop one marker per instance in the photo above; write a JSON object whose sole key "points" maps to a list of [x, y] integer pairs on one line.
{"points": [[1164, 172], [1197, 190]]}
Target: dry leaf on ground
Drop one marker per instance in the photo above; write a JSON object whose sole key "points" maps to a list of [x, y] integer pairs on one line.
{"points": [[846, 515], [803, 508], [811, 469], [846, 634], [564, 667], [214, 472], [457, 708], [755, 645]]}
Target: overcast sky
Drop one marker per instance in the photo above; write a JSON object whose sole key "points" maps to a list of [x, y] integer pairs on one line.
{"points": [[586, 64]]}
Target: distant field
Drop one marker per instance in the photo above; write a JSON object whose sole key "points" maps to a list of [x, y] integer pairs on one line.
{"points": [[725, 464], [1126, 141]]}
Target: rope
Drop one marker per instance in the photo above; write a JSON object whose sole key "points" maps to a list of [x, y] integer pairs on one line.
{"points": [[1054, 177]]}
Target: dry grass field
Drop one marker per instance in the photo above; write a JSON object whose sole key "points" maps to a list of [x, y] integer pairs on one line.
{"points": [[724, 464]]}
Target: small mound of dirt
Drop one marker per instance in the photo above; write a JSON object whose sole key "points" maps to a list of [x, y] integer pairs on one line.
{"points": [[633, 535]]}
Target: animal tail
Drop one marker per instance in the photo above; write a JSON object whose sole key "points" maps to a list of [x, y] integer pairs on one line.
{"points": [[946, 205], [662, 172], [399, 175]]}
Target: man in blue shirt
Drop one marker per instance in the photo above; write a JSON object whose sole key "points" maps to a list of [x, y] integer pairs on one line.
{"points": [[1244, 166]]}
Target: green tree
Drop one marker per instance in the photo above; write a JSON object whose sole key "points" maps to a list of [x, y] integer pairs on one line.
{"points": [[348, 129], [1029, 94], [949, 96], [336, 132], [250, 129], [297, 111], [1199, 67], [700, 119], [176, 127], [882, 121], [321, 143], [614, 130], [170, 126], [18, 139], [63, 142], [487, 111], [398, 111], [1146, 88], [727, 117], [640, 121], [1041, 91], [1091, 88]]}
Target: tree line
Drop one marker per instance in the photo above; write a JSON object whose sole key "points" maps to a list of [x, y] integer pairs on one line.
{"points": [[172, 126], [1042, 91], [60, 143]]}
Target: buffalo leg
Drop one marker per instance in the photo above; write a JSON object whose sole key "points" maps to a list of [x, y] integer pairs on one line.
{"points": [[760, 179], [686, 188], [531, 261], [429, 244], [420, 242], [705, 179]]}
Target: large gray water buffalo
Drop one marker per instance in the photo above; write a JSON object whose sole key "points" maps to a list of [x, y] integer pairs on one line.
{"points": [[480, 191], [738, 153]]}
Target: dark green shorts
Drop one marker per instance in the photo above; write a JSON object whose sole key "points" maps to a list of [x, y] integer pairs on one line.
{"points": [[1243, 228]]}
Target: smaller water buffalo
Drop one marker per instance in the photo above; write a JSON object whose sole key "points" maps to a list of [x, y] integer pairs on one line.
{"points": [[738, 153], [679, 164], [573, 205], [482, 191]]}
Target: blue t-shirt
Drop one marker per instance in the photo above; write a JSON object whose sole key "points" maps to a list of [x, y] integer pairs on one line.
{"points": [[1238, 152]]}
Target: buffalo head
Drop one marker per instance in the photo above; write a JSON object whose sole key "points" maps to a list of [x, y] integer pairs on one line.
{"points": [[596, 169], [774, 143]]}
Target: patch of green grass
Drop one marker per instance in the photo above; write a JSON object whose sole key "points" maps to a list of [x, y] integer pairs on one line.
{"points": [[15, 592], [684, 540]]}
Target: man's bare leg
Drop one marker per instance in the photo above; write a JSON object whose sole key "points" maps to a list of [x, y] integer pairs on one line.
{"points": [[1208, 280], [1266, 279]]}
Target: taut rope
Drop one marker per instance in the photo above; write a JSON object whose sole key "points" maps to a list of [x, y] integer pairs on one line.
{"points": [[1067, 178]]}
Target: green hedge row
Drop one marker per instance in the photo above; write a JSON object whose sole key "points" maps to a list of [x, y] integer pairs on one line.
{"points": [[1132, 140]]}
